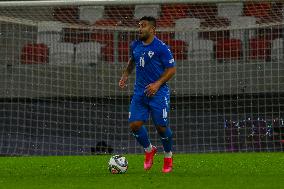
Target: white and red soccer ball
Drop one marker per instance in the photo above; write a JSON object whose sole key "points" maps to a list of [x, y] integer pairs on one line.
{"points": [[118, 164]]}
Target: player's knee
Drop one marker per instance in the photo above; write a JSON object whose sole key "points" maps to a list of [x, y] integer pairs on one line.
{"points": [[135, 126], [164, 131], [161, 129]]}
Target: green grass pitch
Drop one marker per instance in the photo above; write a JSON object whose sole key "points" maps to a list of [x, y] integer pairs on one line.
{"points": [[214, 170]]}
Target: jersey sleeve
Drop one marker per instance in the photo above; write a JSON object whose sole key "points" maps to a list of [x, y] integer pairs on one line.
{"points": [[167, 56]]}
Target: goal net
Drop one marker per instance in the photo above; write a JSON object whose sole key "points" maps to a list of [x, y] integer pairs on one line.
{"points": [[60, 64]]}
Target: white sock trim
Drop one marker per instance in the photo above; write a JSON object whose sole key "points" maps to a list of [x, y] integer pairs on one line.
{"points": [[168, 154], [149, 148]]}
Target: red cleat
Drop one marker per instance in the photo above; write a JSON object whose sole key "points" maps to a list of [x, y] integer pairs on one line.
{"points": [[168, 165], [149, 158]]}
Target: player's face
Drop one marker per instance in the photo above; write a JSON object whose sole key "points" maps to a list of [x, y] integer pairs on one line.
{"points": [[145, 30]]}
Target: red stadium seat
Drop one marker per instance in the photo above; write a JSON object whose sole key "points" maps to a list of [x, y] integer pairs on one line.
{"points": [[165, 22], [228, 49], [34, 54], [175, 11], [257, 9], [117, 16], [203, 11], [119, 12], [123, 51], [108, 52], [178, 48], [108, 22], [259, 48], [66, 14], [165, 36], [170, 13]]}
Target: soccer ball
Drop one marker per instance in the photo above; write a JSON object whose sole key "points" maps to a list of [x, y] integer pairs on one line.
{"points": [[117, 164]]}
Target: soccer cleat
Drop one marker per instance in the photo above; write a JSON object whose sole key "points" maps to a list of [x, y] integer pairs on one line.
{"points": [[149, 158], [168, 165]]}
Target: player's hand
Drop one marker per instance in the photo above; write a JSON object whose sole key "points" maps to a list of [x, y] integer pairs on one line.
{"points": [[152, 89], [122, 82]]}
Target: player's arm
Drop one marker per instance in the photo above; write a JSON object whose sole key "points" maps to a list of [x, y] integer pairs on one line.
{"points": [[170, 70], [126, 72], [152, 88]]}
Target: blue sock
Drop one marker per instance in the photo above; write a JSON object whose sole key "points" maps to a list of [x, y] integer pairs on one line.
{"points": [[166, 139], [142, 136]]}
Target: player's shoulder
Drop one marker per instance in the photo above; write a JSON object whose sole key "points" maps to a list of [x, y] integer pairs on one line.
{"points": [[161, 45], [135, 43], [159, 42]]}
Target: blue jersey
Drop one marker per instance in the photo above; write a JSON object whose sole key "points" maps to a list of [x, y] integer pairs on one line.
{"points": [[151, 61]]}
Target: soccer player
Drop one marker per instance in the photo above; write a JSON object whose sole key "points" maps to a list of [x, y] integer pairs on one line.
{"points": [[155, 65]]}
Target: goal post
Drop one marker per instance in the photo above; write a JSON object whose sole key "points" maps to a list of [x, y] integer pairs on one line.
{"points": [[60, 63]]}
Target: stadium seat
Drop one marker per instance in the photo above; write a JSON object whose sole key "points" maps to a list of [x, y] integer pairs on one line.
{"points": [[229, 10], [185, 29], [87, 52], [200, 50], [49, 32], [277, 50], [61, 53], [117, 16], [171, 12], [257, 9], [105, 37], [178, 48], [48, 38], [108, 22], [91, 13], [165, 36], [227, 49], [215, 22], [75, 35], [259, 48], [34, 54], [119, 12], [174, 11], [149, 10], [108, 52], [123, 51], [212, 24], [242, 22], [202, 11], [66, 14], [165, 22]]}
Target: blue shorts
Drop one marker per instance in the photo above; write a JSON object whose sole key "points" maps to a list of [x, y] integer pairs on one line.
{"points": [[142, 106]]}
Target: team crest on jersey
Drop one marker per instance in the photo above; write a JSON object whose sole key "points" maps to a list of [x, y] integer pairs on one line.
{"points": [[150, 54]]}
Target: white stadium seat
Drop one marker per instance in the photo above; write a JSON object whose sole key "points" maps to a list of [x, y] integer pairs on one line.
{"points": [[200, 50], [147, 10], [242, 22], [186, 29], [91, 13], [277, 50], [229, 10], [61, 53], [49, 32], [88, 52]]}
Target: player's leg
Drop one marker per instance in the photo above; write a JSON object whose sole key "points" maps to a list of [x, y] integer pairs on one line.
{"points": [[166, 138], [138, 114], [159, 112]]}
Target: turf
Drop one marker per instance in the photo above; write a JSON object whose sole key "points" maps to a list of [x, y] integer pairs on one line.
{"points": [[222, 170]]}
